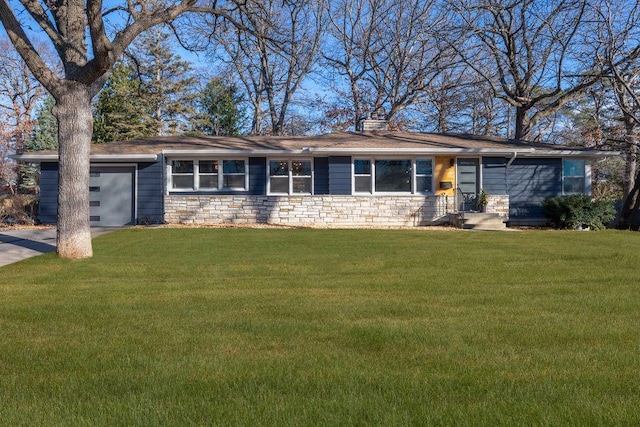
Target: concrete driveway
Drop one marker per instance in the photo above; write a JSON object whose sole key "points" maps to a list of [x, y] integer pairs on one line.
{"points": [[19, 244]]}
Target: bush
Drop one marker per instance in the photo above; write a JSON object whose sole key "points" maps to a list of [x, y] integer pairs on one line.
{"points": [[578, 211], [18, 209]]}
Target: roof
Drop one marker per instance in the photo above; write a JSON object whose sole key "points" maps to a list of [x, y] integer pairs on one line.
{"points": [[342, 143]]}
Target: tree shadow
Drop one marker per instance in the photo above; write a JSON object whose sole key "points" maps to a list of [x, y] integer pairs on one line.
{"points": [[33, 245]]}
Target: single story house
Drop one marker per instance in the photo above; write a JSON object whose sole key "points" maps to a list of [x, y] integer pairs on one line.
{"points": [[341, 179]]}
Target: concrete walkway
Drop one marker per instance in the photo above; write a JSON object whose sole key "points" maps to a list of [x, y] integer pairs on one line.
{"points": [[16, 245]]}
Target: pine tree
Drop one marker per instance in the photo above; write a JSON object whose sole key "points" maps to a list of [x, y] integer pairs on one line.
{"points": [[44, 136], [218, 108], [166, 81], [123, 110], [45, 133]]}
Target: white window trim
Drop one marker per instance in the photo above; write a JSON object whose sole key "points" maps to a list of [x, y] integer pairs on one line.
{"points": [[196, 175], [370, 175], [586, 177], [221, 175], [290, 175], [393, 193]]}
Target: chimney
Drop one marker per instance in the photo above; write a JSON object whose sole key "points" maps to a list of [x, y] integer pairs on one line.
{"points": [[369, 125]]}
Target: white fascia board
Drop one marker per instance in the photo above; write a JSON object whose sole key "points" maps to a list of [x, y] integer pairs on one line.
{"points": [[572, 153], [343, 152], [419, 151], [39, 158], [226, 153], [35, 158], [124, 157]]}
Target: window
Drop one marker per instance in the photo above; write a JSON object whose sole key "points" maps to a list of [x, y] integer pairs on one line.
{"points": [[393, 176], [182, 174], [301, 176], [233, 172], [424, 176], [206, 175], [573, 176], [362, 175], [279, 176], [290, 177]]}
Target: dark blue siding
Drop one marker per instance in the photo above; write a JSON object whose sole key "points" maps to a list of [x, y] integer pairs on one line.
{"points": [[340, 175], [48, 206], [257, 175], [494, 176], [149, 198], [150, 195], [529, 182], [321, 175]]}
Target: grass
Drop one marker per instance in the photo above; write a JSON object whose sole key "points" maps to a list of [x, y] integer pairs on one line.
{"points": [[239, 327]]}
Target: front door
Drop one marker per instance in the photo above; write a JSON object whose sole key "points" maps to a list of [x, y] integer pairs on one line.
{"points": [[468, 183]]}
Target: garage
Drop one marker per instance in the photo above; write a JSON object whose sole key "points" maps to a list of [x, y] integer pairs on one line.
{"points": [[111, 196]]}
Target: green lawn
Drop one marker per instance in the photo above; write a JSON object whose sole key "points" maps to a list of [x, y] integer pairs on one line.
{"points": [[295, 327]]}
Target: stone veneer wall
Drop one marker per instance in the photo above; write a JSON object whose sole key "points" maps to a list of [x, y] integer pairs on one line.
{"points": [[348, 211], [498, 203]]}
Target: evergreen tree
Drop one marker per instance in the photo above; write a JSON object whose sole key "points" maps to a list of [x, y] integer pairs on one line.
{"points": [[166, 80], [45, 133], [218, 108], [123, 110], [44, 136]]}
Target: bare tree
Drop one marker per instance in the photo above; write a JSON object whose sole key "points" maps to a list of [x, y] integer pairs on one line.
{"points": [[459, 101], [409, 53], [352, 25], [616, 42], [77, 29], [536, 50], [388, 52], [19, 94], [273, 54]]}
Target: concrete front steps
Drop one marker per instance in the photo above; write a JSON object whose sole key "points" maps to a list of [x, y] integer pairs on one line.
{"points": [[478, 221]]}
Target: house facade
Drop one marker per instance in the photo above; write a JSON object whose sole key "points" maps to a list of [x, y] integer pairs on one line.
{"points": [[345, 179]]}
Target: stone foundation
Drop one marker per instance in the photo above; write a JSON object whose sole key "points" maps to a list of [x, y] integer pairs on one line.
{"points": [[498, 203], [328, 211]]}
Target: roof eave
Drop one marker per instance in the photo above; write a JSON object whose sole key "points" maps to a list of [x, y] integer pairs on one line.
{"points": [[573, 153], [99, 158], [326, 151]]}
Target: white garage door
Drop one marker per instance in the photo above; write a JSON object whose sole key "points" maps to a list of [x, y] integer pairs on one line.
{"points": [[111, 196]]}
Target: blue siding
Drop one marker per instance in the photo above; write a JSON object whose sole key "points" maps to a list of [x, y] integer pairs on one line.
{"points": [[340, 175], [149, 186], [529, 182], [48, 206], [150, 195], [494, 175], [321, 175], [257, 176]]}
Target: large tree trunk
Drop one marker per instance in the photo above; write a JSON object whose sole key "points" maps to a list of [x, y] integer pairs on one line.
{"points": [[522, 124], [631, 208], [73, 111], [631, 156]]}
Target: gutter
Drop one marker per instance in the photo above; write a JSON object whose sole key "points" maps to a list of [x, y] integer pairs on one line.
{"points": [[324, 151], [347, 151], [39, 158], [331, 151]]}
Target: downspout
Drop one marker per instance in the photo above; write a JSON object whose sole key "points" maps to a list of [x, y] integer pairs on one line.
{"points": [[506, 178], [165, 189]]}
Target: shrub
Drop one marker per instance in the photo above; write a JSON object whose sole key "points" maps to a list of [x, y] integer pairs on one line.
{"points": [[578, 210], [18, 209]]}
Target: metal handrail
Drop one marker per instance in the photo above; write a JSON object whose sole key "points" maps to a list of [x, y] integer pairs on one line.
{"points": [[459, 201]]}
